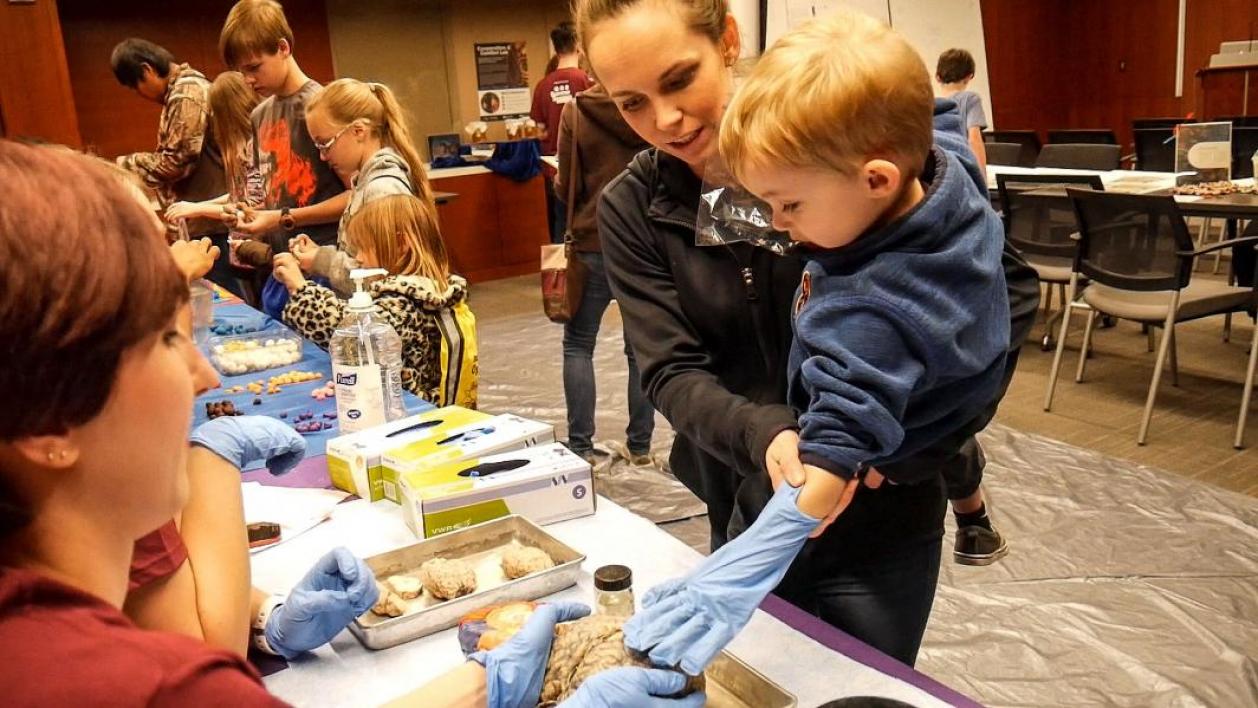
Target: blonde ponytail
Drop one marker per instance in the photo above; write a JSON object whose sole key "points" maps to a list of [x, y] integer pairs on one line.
{"points": [[395, 134], [347, 100]]}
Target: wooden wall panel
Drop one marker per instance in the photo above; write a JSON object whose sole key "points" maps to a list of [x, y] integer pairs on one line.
{"points": [[1209, 22], [1019, 63], [1100, 63], [113, 119], [35, 97]]}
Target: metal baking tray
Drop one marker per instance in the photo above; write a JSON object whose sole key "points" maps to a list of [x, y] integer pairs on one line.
{"points": [[733, 684], [481, 545]]}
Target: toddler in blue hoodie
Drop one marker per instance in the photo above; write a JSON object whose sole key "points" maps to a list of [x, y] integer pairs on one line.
{"points": [[901, 319]]}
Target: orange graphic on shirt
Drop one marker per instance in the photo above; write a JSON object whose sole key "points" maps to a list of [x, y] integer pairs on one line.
{"points": [[291, 176], [805, 292]]}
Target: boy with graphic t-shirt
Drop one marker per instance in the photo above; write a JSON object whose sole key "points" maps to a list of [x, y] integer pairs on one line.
{"points": [[302, 193]]}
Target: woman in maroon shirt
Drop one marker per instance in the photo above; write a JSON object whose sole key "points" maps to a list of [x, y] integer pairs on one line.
{"points": [[99, 375]]}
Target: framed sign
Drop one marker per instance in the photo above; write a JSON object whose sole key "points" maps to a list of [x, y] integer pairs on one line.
{"points": [[502, 80]]}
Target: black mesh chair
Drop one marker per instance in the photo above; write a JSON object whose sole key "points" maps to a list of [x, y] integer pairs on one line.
{"points": [[1028, 139], [1002, 153], [1097, 136], [1155, 149], [1043, 228], [1078, 156], [1147, 123], [1244, 145], [1137, 255]]}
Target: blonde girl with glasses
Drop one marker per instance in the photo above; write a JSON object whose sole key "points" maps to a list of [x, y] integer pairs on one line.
{"points": [[360, 131]]}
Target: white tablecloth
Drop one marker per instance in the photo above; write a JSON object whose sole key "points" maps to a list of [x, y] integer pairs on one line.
{"points": [[1128, 181], [345, 673]]}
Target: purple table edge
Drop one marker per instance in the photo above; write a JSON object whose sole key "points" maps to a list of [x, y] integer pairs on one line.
{"points": [[843, 643]]}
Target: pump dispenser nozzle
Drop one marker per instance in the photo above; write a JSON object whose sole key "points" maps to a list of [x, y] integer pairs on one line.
{"points": [[361, 299]]}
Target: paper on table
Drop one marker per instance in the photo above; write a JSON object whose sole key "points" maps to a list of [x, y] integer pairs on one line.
{"points": [[295, 510], [1187, 197]]}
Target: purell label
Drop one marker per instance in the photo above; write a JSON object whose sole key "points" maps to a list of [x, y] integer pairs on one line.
{"points": [[359, 397]]}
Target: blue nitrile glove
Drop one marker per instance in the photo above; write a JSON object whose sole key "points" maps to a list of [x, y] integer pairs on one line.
{"points": [[337, 589], [631, 687], [514, 671], [245, 439], [687, 622]]}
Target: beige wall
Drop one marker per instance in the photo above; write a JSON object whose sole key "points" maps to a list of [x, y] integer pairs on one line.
{"points": [[423, 49], [472, 21], [398, 43]]}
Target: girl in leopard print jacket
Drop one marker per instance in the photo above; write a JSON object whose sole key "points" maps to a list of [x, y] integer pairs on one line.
{"points": [[420, 299]]}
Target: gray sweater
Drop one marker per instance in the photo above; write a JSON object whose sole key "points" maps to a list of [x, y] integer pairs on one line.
{"points": [[384, 174]]}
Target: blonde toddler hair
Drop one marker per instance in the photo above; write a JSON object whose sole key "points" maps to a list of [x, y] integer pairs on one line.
{"points": [[345, 101], [833, 94], [401, 231]]}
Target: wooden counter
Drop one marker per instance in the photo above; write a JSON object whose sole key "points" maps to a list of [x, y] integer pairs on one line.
{"points": [[495, 227]]}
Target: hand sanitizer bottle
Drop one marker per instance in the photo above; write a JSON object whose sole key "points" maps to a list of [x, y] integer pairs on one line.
{"points": [[366, 363]]}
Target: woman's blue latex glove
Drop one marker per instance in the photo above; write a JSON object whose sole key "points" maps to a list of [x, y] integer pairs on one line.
{"points": [[634, 688], [337, 589], [687, 622], [245, 439], [514, 670]]}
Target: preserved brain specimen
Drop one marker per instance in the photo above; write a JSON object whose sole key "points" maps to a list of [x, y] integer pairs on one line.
{"points": [[519, 561], [586, 647], [447, 579]]}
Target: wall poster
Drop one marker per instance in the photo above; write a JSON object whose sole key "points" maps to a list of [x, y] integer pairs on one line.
{"points": [[502, 80]]}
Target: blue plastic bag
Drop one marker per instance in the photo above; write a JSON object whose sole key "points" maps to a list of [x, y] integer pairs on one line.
{"points": [[274, 296], [520, 160]]}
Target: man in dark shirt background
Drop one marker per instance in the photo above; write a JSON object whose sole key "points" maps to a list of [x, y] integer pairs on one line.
{"points": [[552, 92]]}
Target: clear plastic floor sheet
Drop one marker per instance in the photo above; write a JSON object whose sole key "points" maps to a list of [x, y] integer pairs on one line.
{"points": [[1124, 585]]}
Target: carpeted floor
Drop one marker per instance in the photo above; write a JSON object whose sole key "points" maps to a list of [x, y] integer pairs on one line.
{"points": [[1193, 423]]}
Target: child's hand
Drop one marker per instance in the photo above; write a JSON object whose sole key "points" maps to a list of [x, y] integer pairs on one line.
{"points": [[304, 249], [826, 495], [257, 222], [873, 478], [287, 271], [194, 258], [232, 214], [782, 460], [186, 210]]}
